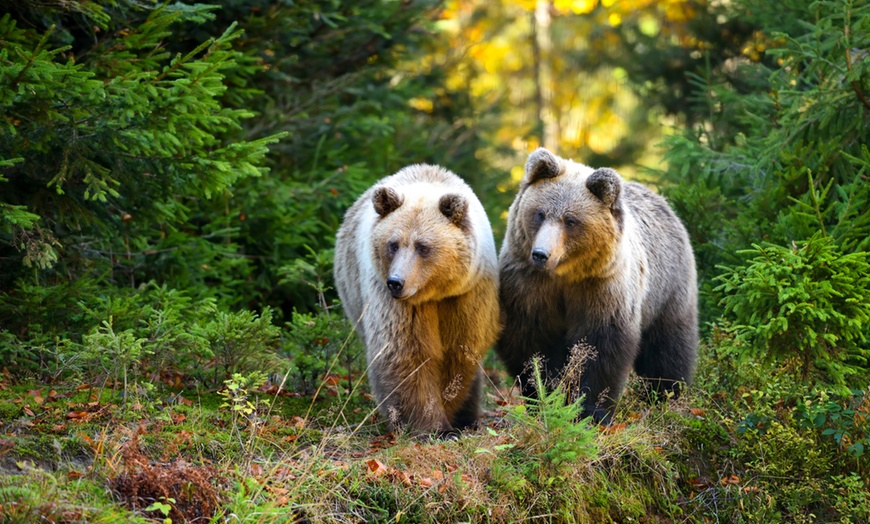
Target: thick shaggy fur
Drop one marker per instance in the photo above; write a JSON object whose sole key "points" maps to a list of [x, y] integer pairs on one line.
{"points": [[416, 270], [589, 257]]}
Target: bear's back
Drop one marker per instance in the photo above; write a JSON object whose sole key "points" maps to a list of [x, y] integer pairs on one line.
{"points": [[671, 262]]}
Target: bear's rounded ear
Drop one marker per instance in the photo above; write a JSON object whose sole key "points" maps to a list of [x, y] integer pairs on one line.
{"points": [[606, 184], [386, 200], [454, 207], [542, 164]]}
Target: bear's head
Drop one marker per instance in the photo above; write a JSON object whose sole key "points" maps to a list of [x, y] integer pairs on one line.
{"points": [[567, 217], [422, 241]]}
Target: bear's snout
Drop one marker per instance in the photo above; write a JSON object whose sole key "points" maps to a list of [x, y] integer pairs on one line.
{"points": [[548, 247], [395, 285], [540, 257]]}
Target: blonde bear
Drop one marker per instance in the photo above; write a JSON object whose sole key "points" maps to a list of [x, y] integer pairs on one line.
{"points": [[416, 270]]}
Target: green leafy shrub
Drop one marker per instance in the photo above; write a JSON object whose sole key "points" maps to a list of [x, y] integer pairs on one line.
{"points": [[845, 420], [805, 306]]}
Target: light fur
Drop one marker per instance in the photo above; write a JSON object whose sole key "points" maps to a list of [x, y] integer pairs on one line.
{"points": [[423, 347]]}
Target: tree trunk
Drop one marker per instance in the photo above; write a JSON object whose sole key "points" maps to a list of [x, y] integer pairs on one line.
{"points": [[542, 46]]}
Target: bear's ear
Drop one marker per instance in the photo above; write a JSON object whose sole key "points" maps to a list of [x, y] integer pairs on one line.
{"points": [[454, 207], [606, 184], [542, 164], [386, 200]]}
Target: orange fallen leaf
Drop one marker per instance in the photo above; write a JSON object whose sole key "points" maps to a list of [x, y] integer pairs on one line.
{"points": [[297, 422], [73, 475], [256, 470], [28, 411], [730, 479], [402, 477], [290, 438], [376, 468], [426, 482], [698, 412], [613, 429]]}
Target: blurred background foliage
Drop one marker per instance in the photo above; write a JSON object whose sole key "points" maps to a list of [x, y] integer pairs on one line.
{"points": [[159, 154]]}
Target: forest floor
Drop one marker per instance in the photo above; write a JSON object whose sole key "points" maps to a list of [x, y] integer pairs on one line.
{"points": [[76, 453]]}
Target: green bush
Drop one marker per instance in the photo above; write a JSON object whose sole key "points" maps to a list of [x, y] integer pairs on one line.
{"points": [[805, 306]]}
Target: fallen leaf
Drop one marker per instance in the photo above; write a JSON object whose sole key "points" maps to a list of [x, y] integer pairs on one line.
{"points": [[730, 479], [73, 475], [697, 483], [290, 438], [698, 412], [426, 482], [613, 429], [28, 412], [297, 421], [256, 471], [376, 468], [402, 477]]}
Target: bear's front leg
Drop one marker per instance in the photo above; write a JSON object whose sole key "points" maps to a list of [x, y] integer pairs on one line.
{"points": [[603, 375]]}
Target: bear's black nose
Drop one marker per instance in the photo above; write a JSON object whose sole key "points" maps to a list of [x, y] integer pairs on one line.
{"points": [[395, 285], [540, 257]]}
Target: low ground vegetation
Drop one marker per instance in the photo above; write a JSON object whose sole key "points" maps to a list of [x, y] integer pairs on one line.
{"points": [[749, 450]]}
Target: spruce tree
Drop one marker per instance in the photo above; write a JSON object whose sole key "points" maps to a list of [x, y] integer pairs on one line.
{"points": [[783, 166]]}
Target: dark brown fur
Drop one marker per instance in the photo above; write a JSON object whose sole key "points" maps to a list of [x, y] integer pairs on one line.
{"points": [[589, 257]]}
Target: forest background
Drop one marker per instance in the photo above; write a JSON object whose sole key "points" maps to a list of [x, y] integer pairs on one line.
{"points": [[172, 176]]}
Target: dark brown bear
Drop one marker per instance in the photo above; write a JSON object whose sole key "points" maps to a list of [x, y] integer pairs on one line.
{"points": [[589, 257]]}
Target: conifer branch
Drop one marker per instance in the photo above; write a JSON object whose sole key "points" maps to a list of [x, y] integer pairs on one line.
{"points": [[856, 85]]}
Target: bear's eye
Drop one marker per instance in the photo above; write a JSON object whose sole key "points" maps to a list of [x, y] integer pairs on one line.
{"points": [[393, 246], [539, 216], [423, 249], [571, 222]]}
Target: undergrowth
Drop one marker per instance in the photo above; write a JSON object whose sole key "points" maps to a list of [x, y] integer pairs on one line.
{"points": [[748, 449]]}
